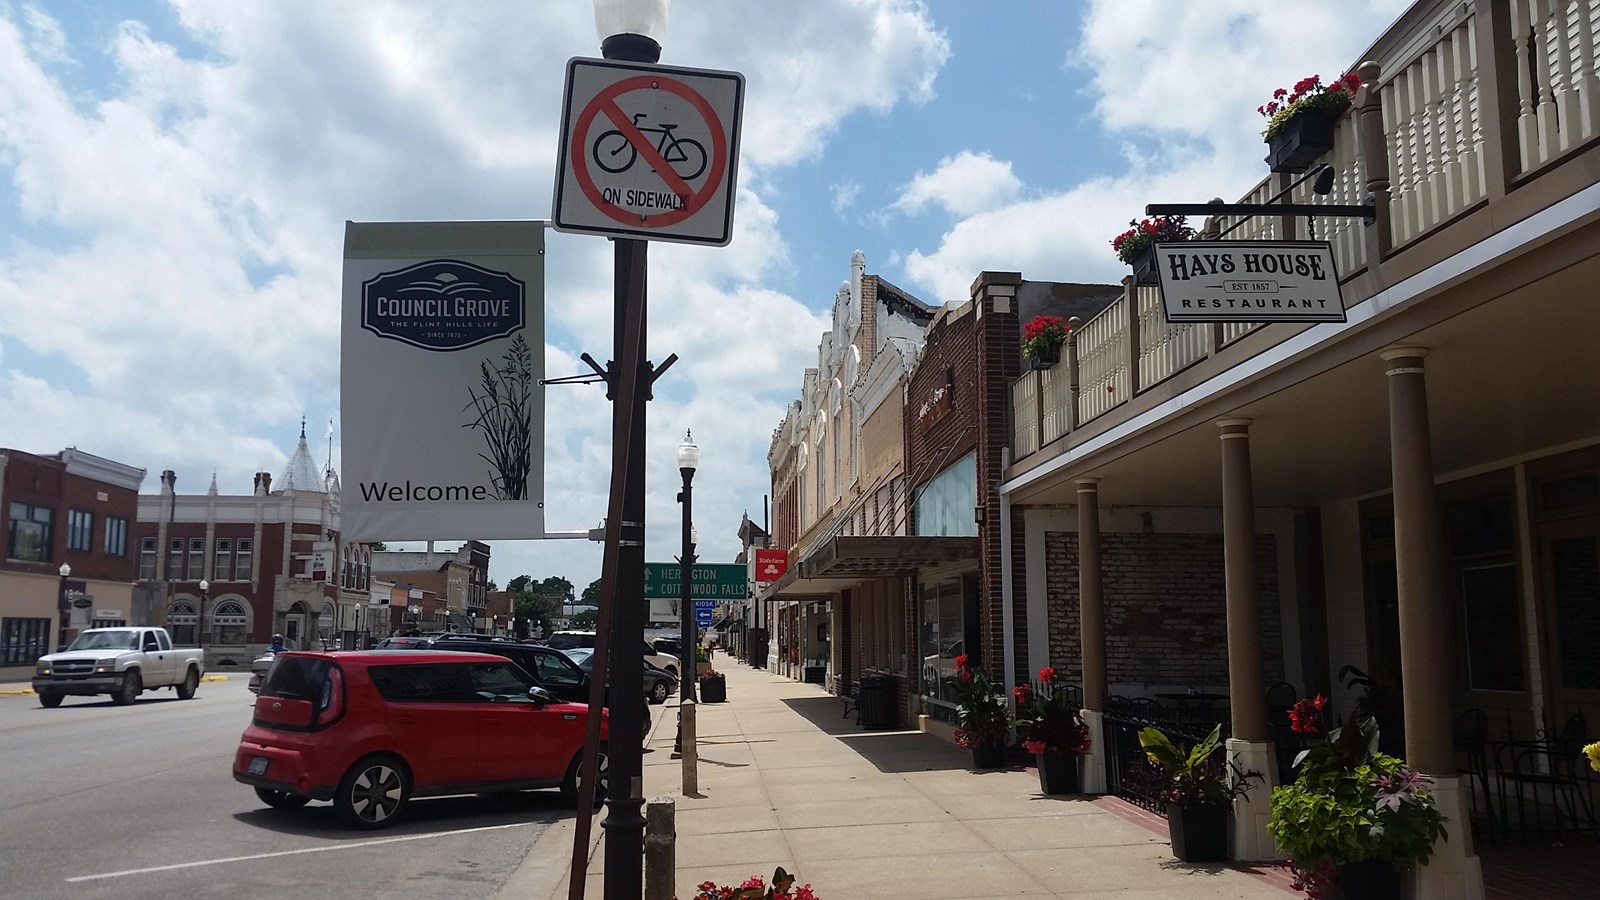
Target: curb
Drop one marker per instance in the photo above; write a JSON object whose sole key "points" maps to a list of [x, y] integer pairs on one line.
{"points": [[214, 678], [22, 693], [545, 870]]}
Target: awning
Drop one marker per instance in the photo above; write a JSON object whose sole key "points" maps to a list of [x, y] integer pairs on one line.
{"points": [[844, 561]]}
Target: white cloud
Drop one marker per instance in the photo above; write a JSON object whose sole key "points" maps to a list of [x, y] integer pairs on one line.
{"points": [[188, 316], [965, 184], [1184, 94], [845, 194]]}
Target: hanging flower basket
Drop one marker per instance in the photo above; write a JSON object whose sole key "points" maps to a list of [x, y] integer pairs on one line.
{"points": [[1300, 123], [1044, 358], [1144, 266], [1137, 246]]}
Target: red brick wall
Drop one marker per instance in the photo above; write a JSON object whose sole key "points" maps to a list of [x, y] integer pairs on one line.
{"points": [[1166, 610], [41, 481], [999, 363]]}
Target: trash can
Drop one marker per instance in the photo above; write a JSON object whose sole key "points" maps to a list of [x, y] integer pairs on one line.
{"points": [[878, 700]]}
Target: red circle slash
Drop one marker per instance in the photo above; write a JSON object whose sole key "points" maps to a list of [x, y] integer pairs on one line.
{"points": [[605, 102]]}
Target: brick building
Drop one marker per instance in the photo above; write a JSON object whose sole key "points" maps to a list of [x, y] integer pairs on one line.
{"points": [[451, 588], [71, 509], [273, 562]]}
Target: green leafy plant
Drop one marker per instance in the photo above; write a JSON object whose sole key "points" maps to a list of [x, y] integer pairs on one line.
{"points": [[756, 888], [1351, 803], [701, 654], [1144, 232], [981, 714], [1043, 333], [1193, 777], [1309, 94], [1046, 720]]}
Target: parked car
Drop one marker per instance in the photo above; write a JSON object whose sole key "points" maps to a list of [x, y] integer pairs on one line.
{"points": [[570, 640], [370, 730], [122, 662], [661, 659], [659, 684], [261, 664], [408, 641], [552, 669]]}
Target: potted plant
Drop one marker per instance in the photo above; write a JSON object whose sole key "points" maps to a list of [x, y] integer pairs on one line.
{"points": [[713, 687], [981, 716], [702, 660], [1199, 792], [1042, 339], [1354, 817], [1300, 122], [1053, 731], [755, 888], [1137, 245]]}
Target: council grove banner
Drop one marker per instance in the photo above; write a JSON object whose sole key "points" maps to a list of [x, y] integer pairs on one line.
{"points": [[441, 358]]}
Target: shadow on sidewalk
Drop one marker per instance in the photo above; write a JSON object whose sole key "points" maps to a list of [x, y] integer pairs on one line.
{"points": [[889, 751]]}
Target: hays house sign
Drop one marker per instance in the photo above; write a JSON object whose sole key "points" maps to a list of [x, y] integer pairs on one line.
{"points": [[1249, 281]]}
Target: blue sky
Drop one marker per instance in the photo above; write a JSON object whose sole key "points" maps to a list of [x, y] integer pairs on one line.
{"points": [[174, 179]]}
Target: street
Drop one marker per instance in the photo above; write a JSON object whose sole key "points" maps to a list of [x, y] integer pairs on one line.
{"points": [[99, 800]]}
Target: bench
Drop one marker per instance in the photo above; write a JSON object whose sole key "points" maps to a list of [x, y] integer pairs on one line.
{"points": [[846, 690]]}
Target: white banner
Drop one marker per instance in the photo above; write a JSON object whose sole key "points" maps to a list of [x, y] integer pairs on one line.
{"points": [[1249, 281], [442, 353]]}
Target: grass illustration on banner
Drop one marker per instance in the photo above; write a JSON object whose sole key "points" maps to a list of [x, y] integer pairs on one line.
{"points": [[505, 416]]}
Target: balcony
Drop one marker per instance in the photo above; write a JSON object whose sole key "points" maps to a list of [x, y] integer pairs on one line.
{"points": [[1477, 117]]}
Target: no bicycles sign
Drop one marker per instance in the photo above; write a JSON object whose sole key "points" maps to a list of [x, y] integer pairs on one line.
{"points": [[648, 152]]}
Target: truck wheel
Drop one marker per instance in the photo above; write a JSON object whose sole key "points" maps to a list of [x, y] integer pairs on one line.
{"points": [[190, 682], [373, 793], [281, 799], [129, 691], [51, 701]]}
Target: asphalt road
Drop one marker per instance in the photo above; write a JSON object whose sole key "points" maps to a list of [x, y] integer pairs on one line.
{"points": [[99, 800]]}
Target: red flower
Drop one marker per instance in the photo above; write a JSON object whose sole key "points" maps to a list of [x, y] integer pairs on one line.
{"points": [[961, 661], [1280, 92], [1304, 716], [1021, 692], [966, 676], [1047, 675], [1034, 747]]}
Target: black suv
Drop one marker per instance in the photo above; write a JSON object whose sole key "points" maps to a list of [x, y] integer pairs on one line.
{"points": [[552, 668]]}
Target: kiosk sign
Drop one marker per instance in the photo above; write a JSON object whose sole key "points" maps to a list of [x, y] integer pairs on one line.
{"points": [[648, 152], [1249, 281]]}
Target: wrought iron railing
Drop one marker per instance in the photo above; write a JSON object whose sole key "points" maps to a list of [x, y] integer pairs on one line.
{"points": [[1129, 774]]}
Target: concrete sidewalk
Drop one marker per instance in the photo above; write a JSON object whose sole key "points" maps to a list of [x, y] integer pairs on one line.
{"points": [[785, 781]]}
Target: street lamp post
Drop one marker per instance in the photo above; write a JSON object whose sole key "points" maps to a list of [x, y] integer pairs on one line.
{"points": [[200, 620], [630, 31], [63, 606], [688, 461]]}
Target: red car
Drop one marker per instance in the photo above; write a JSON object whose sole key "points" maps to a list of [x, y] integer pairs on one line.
{"points": [[369, 730]]}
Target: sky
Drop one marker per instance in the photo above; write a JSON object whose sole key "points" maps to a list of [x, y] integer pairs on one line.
{"points": [[175, 178]]}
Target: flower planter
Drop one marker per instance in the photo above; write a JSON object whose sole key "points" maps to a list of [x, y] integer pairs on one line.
{"points": [[1369, 879], [1058, 773], [701, 668], [989, 756], [1302, 141], [1044, 358], [1199, 833], [1144, 266], [714, 689]]}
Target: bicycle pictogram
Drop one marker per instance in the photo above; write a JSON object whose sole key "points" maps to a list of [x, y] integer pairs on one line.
{"points": [[613, 152]]}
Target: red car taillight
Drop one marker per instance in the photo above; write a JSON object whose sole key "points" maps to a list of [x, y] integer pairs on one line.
{"points": [[331, 706]]}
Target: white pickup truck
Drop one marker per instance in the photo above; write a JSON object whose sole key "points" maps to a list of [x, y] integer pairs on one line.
{"points": [[121, 662]]}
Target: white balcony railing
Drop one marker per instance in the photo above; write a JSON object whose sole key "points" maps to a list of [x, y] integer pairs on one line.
{"points": [[1558, 89], [1103, 361]]}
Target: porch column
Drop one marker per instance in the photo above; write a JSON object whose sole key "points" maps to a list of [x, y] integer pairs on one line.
{"points": [[1249, 746], [1424, 658], [1092, 631]]}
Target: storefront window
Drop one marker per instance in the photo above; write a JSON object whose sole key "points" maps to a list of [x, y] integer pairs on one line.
{"points": [[947, 614], [945, 505]]}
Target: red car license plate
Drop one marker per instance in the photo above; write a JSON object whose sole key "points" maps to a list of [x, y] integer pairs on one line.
{"points": [[258, 765]]}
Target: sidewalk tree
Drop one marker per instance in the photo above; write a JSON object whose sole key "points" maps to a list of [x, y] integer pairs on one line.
{"points": [[531, 604], [591, 594]]}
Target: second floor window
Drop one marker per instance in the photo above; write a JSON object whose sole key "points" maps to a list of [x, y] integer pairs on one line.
{"points": [[147, 559], [197, 559], [80, 530], [243, 559], [174, 558], [31, 533], [117, 537], [222, 569]]}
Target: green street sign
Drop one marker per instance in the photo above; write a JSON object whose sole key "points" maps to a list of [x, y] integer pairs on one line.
{"points": [[715, 581]]}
